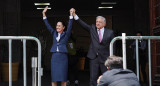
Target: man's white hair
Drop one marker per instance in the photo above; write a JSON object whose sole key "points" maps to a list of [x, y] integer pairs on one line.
{"points": [[104, 19]]}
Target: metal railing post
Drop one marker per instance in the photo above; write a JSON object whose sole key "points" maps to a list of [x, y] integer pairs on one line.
{"points": [[10, 62], [34, 71], [124, 50], [24, 63], [149, 60], [137, 59], [111, 47], [40, 70]]}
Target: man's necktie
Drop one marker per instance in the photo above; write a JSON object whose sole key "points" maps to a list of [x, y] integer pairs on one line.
{"points": [[100, 36]]}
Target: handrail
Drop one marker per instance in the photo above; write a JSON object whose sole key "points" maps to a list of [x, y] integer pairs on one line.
{"points": [[149, 38], [24, 38]]}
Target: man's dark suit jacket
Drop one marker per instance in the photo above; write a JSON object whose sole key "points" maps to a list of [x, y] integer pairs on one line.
{"points": [[118, 77], [96, 48], [141, 47]]}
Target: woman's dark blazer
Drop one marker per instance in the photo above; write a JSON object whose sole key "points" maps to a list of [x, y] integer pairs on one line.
{"points": [[63, 38]]}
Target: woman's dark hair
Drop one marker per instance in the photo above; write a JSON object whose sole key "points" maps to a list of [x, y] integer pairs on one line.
{"points": [[63, 23]]}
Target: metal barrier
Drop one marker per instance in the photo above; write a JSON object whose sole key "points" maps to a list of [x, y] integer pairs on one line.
{"points": [[24, 38], [123, 38]]}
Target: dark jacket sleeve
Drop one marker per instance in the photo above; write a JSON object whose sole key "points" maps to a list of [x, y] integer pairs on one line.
{"points": [[133, 45], [68, 32], [112, 35], [84, 25], [49, 27], [143, 45]]}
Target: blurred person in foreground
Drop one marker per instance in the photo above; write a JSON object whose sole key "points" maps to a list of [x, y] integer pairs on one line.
{"points": [[116, 75]]}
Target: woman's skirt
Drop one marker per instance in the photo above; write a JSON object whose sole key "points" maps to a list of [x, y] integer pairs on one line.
{"points": [[59, 67]]}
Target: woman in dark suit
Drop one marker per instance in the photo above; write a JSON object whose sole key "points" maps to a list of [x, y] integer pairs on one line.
{"points": [[59, 61]]}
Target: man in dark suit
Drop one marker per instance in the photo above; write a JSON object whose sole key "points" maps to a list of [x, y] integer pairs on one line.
{"points": [[99, 47], [142, 55], [116, 75]]}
